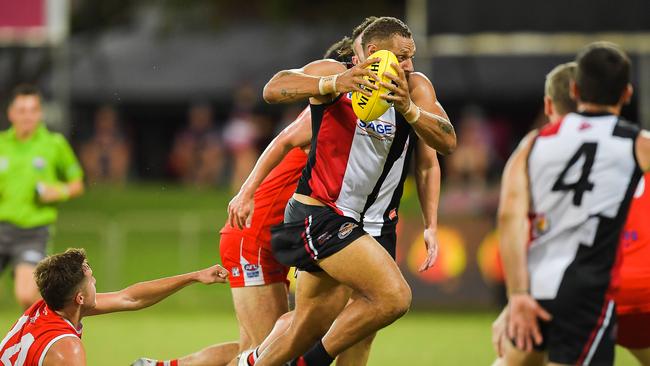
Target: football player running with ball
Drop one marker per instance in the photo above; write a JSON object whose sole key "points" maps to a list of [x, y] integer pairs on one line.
{"points": [[346, 168]]}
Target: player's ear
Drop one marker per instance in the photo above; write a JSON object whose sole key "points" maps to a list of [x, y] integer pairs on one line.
{"points": [[627, 94], [79, 298], [371, 48]]}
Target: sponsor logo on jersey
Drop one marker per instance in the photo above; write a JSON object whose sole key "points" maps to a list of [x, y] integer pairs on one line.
{"points": [[322, 238], [392, 214], [584, 125], [251, 267], [346, 229], [235, 272], [377, 127]]}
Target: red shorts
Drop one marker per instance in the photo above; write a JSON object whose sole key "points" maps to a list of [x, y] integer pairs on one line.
{"points": [[250, 261], [633, 330]]}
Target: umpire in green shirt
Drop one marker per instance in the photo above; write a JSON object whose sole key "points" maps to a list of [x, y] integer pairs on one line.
{"points": [[37, 170]]}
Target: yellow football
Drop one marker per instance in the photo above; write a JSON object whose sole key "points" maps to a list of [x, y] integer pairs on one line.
{"points": [[373, 107]]}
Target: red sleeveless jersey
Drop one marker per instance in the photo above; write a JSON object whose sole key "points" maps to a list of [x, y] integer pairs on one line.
{"points": [[34, 333], [634, 292], [271, 197]]}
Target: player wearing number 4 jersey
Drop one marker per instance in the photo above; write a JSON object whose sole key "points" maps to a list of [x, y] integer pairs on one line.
{"points": [[575, 179], [49, 332]]}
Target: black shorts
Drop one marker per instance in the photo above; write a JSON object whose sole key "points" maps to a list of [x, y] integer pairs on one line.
{"points": [[582, 332], [311, 233], [388, 240], [19, 245]]}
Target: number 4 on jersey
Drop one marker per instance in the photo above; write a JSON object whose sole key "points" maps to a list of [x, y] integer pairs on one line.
{"points": [[582, 185]]}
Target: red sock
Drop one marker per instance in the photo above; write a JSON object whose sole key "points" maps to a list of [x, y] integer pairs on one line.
{"points": [[167, 363]]}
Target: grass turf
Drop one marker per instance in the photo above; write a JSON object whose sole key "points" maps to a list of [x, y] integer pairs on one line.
{"points": [[145, 232]]}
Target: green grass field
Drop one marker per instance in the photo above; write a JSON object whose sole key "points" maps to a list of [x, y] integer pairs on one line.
{"points": [[145, 232]]}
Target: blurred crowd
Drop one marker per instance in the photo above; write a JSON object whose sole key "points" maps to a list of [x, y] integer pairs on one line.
{"points": [[213, 147]]}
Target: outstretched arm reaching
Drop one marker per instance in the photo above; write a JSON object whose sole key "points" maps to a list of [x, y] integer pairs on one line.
{"points": [[144, 294]]}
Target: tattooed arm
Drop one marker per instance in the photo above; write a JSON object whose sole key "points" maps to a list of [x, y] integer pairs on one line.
{"points": [[415, 98], [289, 86], [433, 126]]}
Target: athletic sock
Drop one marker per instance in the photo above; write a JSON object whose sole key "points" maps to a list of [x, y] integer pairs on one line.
{"points": [[252, 357], [167, 363], [316, 356]]}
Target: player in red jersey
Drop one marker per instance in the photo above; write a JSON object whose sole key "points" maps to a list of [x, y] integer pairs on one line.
{"points": [[633, 296], [49, 332]]}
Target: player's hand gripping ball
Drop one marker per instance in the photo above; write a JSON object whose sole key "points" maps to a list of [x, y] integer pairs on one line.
{"points": [[370, 108]]}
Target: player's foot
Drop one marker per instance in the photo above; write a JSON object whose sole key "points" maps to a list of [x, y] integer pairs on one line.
{"points": [[149, 362]]}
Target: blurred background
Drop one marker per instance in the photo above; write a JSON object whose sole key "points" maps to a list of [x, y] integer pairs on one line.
{"points": [[161, 101]]}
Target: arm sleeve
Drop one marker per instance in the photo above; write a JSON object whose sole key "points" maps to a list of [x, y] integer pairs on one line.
{"points": [[68, 167]]}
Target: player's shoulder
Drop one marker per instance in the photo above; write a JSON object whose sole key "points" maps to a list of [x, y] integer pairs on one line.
{"points": [[67, 350], [625, 128], [324, 67]]}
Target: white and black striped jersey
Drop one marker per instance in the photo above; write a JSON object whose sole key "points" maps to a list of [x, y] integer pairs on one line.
{"points": [[582, 174]]}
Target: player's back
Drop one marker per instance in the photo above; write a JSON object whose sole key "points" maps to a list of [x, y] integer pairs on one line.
{"points": [[28, 341], [582, 173]]}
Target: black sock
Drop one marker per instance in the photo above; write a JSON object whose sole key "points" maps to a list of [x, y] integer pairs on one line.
{"points": [[318, 356]]}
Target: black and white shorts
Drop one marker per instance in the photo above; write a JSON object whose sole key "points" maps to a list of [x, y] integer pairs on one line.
{"points": [[19, 245], [582, 331], [311, 233]]}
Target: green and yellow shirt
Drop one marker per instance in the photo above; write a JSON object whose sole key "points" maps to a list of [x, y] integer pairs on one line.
{"points": [[45, 157]]}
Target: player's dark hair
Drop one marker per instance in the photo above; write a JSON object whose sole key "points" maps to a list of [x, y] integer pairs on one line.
{"points": [[59, 276], [341, 51], [23, 90], [383, 28], [557, 87], [356, 32], [603, 73]]}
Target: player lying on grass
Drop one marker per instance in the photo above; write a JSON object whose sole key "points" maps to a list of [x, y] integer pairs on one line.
{"points": [[49, 332]]}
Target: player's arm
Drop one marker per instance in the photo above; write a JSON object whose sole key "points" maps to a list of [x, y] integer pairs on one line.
{"points": [[69, 169], [427, 179], [321, 81], [642, 148], [416, 100], [144, 294], [58, 192], [297, 134], [513, 228], [67, 351]]}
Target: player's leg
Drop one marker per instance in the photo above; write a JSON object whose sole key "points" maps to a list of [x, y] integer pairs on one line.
{"points": [[257, 309], [357, 354], [384, 295], [25, 285], [215, 355], [319, 299], [27, 249], [642, 355], [516, 357], [633, 330]]}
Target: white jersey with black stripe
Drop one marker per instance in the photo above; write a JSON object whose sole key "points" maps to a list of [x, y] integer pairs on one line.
{"points": [[581, 173]]}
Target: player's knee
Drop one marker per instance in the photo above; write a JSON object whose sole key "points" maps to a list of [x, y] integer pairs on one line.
{"points": [[397, 302]]}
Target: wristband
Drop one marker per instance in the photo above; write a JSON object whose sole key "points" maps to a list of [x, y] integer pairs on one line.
{"points": [[407, 115], [327, 85]]}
